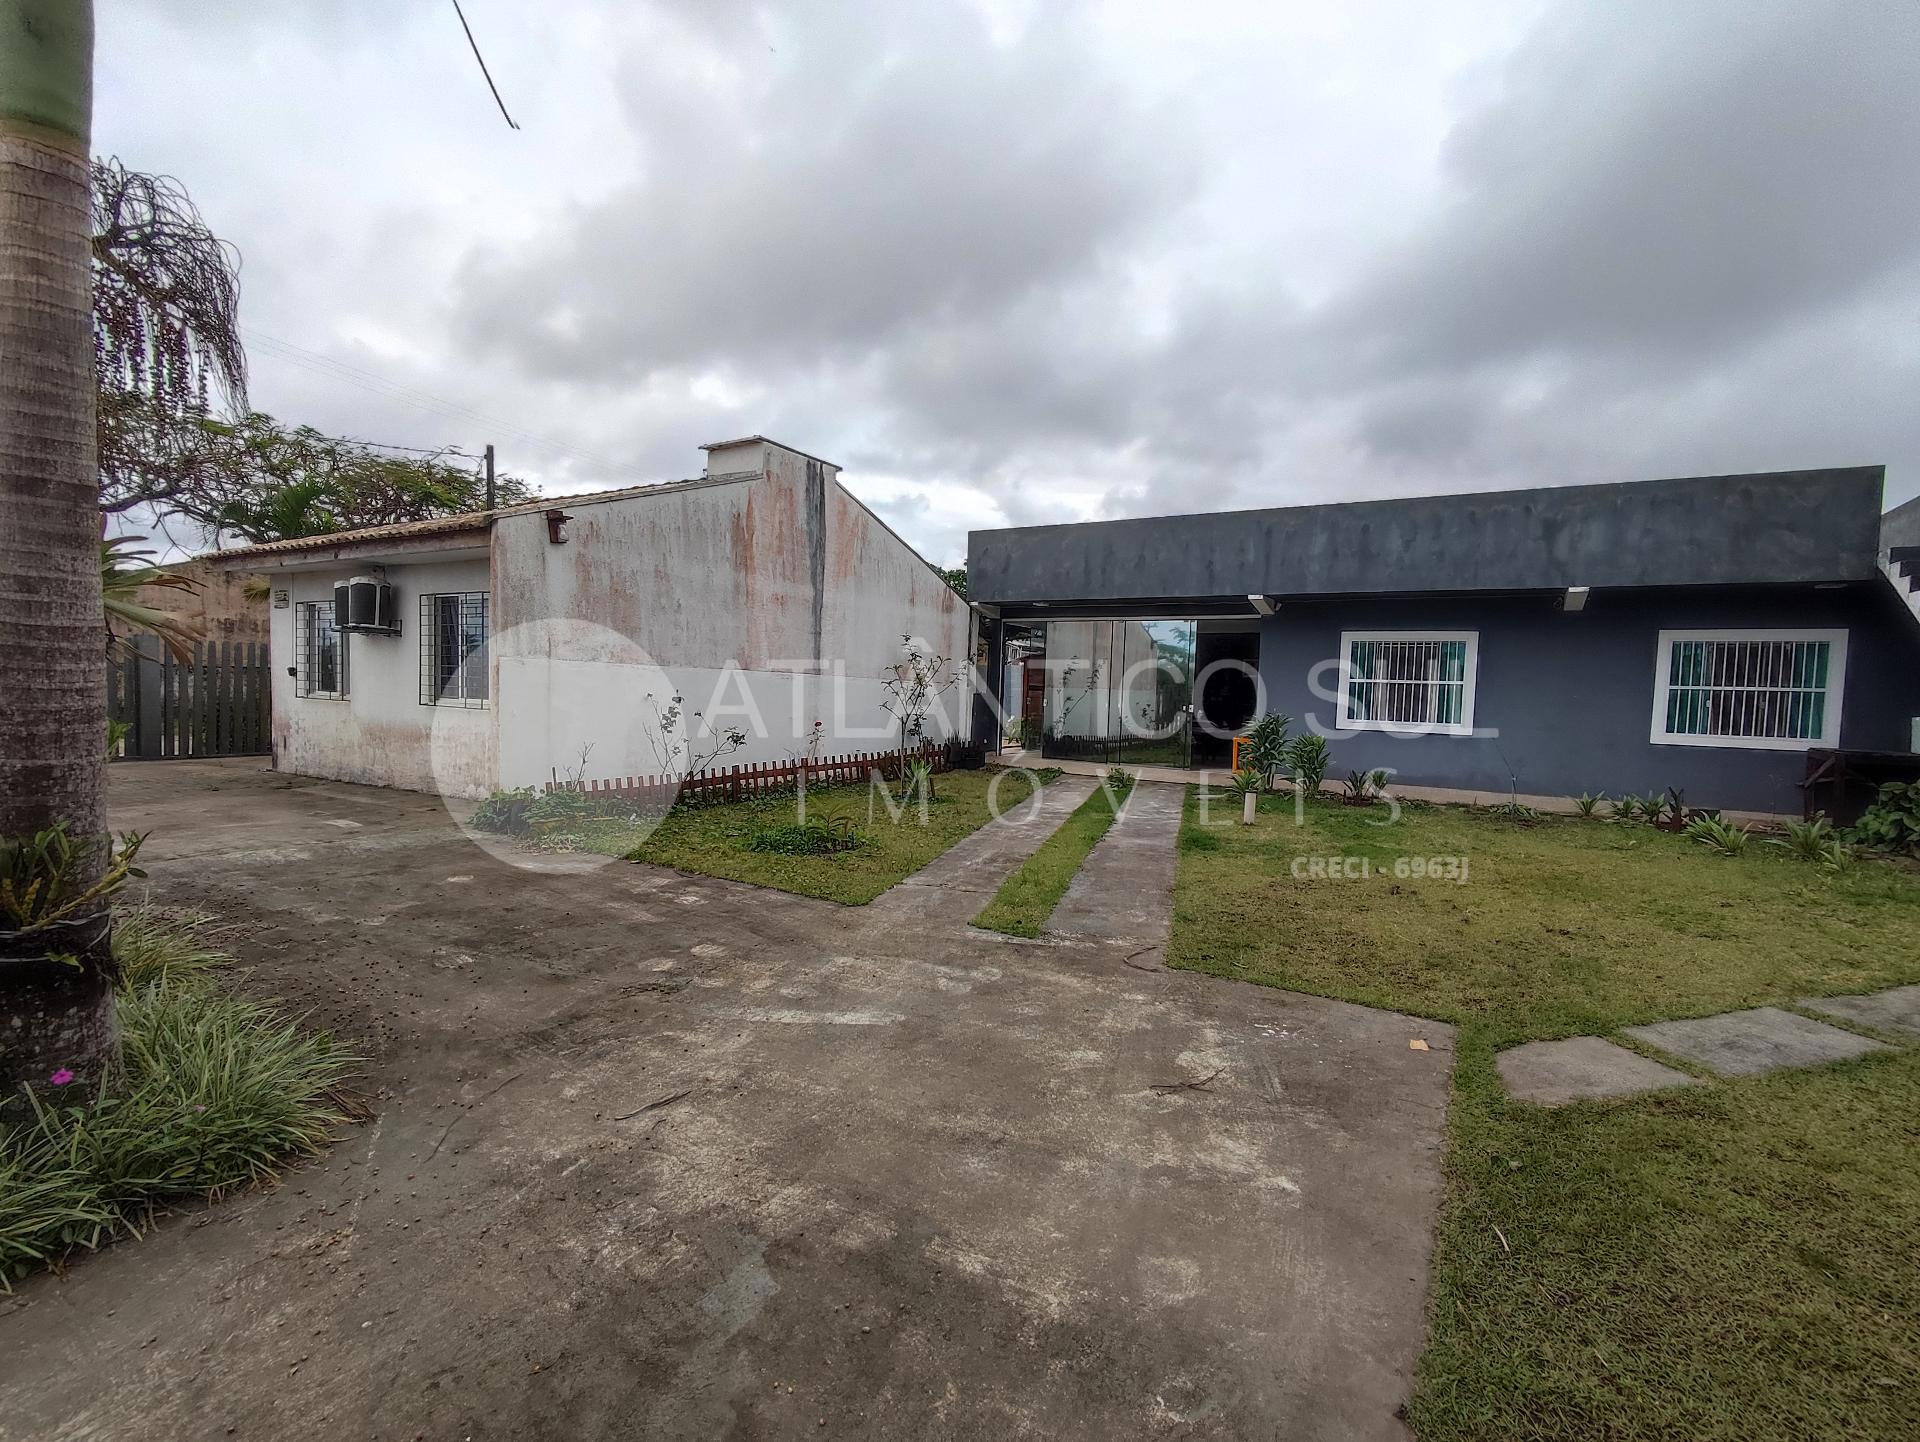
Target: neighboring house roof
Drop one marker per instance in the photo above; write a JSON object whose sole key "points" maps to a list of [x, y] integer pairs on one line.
{"points": [[437, 526], [1769, 528]]}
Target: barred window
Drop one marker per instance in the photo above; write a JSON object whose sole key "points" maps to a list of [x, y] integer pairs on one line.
{"points": [[1767, 690], [320, 652], [1415, 682], [453, 649]]}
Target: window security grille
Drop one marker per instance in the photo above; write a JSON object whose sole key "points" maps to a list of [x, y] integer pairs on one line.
{"points": [[1779, 690], [1411, 682], [453, 649], [320, 652]]}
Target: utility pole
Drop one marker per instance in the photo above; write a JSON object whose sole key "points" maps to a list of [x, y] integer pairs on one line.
{"points": [[490, 497]]}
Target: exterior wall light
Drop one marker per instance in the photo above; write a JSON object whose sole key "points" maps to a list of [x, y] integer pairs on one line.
{"points": [[557, 527]]}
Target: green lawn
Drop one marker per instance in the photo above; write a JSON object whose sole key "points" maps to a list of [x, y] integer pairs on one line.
{"points": [[1734, 1260], [714, 840], [1026, 899]]}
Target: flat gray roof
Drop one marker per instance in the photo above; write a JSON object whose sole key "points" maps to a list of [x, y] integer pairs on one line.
{"points": [[1777, 527]]}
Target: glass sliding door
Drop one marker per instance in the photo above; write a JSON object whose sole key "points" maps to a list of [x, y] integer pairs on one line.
{"points": [[1119, 692]]}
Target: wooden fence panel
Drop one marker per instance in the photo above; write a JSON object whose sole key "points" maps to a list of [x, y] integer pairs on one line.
{"points": [[216, 704], [738, 782]]}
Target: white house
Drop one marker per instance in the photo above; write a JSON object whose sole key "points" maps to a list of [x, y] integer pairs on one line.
{"points": [[498, 647]]}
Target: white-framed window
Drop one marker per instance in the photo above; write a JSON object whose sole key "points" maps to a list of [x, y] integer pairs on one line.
{"points": [[453, 648], [319, 653], [1413, 683], [1761, 690]]}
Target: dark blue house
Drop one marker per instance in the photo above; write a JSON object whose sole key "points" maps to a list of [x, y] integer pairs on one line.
{"points": [[1701, 634]]}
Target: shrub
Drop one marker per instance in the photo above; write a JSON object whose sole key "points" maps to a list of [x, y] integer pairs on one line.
{"points": [[1892, 823], [211, 1092], [557, 810], [505, 812], [1363, 786], [1587, 803], [1265, 750], [813, 837], [1626, 808], [1308, 758], [1719, 836], [1119, 780]]}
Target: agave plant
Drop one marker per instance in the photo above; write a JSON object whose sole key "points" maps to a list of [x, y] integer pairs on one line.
{"points": [[1719, 836], [1247, 783], [1814, 841], [1588, 803], [1625, 808]]}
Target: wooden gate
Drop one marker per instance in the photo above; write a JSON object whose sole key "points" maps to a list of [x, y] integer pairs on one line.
{"points": [[217, 704]]}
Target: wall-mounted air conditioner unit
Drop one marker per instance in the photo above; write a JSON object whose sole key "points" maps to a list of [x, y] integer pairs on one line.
{"points": [[366, 604]]}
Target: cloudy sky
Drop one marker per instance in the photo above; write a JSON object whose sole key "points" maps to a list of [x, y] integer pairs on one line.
{"points": [[1014, 261]]}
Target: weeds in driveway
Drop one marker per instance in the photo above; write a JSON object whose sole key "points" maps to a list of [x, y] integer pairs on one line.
{"points": [[212, 1093]]}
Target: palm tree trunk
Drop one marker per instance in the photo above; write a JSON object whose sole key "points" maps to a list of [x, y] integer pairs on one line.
{"points": [[53, 1015]]}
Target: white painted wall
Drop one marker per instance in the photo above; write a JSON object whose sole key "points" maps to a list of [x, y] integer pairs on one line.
{"points": [[767, 600], [707, 590], [380, 734]]}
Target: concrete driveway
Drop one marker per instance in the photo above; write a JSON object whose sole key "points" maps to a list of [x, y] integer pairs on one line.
{"points": [[659, 1156]]}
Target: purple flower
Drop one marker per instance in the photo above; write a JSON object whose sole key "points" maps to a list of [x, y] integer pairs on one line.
{"points": [[60, 1078]]}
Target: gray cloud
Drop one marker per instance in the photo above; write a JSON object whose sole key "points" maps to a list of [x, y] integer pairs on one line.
{"points": [[1023, 264], [1663, 180], [877, 179]]}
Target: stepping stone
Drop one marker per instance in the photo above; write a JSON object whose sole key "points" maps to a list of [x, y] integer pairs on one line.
{"points": [[1896, 1011], [1750, 1043], [1553, 1073]]}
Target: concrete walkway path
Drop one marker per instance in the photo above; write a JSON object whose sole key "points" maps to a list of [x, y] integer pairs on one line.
{"points": [[1752, 1042], [1123, 895], [955, 885]]}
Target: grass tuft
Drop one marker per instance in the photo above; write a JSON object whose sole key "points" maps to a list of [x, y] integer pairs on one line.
{"points": [[1026, 899], [212, 1092], [151, 942]]}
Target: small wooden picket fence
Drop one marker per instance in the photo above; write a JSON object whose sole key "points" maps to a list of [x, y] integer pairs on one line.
{"points": [[736, 783]]}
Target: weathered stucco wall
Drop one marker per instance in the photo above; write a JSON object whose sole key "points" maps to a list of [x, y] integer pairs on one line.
{"points": [[381, 734], [217, 608], [767, 600]]}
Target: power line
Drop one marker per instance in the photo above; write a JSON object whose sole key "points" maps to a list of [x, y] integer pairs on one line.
{"points": [[483, 65]]}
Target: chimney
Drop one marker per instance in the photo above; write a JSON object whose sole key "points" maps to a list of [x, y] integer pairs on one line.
{"points": [[756, 455]]}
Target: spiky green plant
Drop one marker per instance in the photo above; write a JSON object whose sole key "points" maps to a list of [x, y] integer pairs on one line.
{"points": [[211, 1092], [1719, 836]]}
